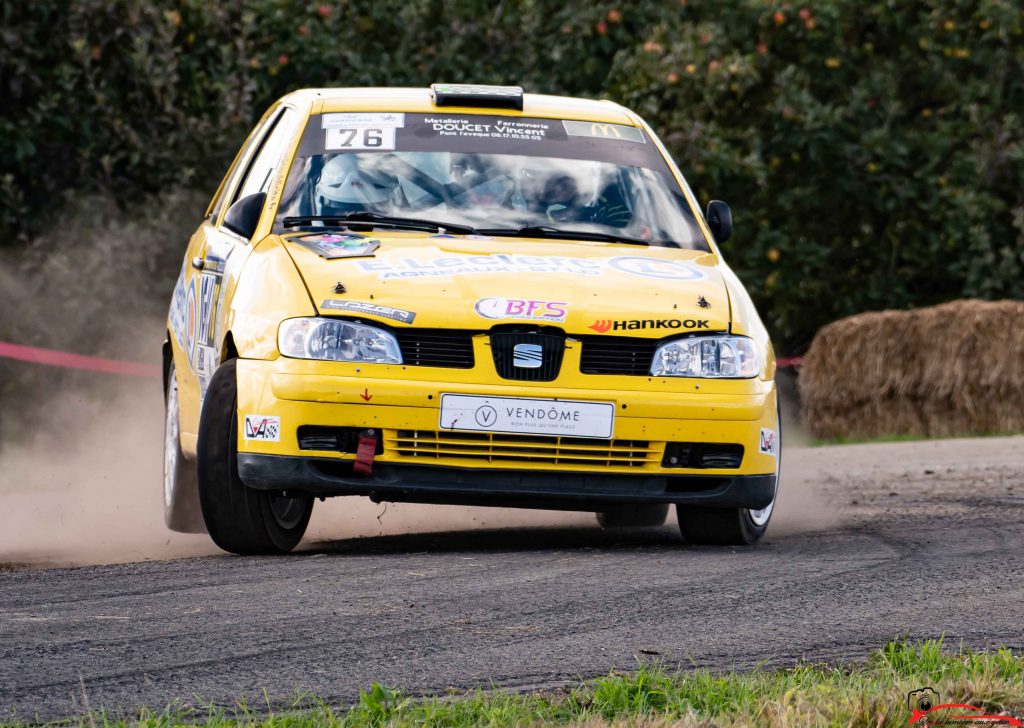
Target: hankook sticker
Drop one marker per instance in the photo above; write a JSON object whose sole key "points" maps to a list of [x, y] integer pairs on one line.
{"points": [[603, 325]]}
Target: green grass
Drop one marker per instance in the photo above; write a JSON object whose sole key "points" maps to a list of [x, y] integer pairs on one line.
{"points": [[869, 694]]}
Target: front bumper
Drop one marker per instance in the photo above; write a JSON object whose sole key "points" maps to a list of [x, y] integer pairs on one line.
{"points": [[509, 488], [419, 461]]}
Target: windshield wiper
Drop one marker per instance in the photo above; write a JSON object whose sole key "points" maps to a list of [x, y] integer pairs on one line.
{"points": [[375, 220], [543, 231]]}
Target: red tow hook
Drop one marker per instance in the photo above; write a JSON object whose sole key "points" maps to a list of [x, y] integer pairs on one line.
{"points": [[365, 451]]}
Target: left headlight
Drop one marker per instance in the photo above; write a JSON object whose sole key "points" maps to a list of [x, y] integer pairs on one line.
{"points": [[337, 340], [722, 357]]}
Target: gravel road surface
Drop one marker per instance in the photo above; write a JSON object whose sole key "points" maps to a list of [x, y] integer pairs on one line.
{"points": [[870, 542]]}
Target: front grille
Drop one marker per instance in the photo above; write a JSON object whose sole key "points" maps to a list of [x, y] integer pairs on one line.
{"points": [[449, 348], [516, 364], [476, 447], [617, 355]]}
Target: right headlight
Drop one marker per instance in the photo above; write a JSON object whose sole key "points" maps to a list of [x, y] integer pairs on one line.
{"points": [[337, 340], [721, 357]]}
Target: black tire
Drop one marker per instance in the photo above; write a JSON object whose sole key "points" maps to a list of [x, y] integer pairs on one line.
{"points": [[181, 491], [240, 519], [634, 515], [727, 526], [718, 526]]}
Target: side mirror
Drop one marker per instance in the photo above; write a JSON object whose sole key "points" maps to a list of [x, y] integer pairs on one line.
{"points": [[719, 220], [243, 216]]}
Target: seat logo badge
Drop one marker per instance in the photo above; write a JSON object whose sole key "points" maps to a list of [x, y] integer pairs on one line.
{"points": [[527, 356]]}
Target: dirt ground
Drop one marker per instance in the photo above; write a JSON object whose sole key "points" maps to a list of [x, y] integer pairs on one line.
{"points": [[868, 543]]}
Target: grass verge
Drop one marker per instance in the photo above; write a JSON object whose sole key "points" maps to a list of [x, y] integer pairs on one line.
{"points": [[869, 694]]}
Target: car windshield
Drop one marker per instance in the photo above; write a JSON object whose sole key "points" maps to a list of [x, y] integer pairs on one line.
{"points": [[491, 173]]}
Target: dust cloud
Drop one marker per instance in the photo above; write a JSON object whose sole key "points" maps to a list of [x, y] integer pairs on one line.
{"points": [[86, 488], [802, 505]]}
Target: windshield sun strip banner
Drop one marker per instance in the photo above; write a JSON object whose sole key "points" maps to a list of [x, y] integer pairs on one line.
{"points": [[480, 134]]}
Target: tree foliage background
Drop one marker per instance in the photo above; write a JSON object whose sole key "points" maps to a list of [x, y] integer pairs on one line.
{"points": [[872, 150]]}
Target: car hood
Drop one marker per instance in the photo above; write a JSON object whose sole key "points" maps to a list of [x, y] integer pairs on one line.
{"points": [[405, 279]]}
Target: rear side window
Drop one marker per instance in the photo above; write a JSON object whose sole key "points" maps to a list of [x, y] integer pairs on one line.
{"points": [[261, 170]]}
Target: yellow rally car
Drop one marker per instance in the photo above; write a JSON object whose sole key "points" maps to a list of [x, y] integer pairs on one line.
{"points": [[466, 295]]}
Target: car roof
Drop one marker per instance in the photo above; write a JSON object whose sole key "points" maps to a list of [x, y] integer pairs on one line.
{"points": [[421, 100]]}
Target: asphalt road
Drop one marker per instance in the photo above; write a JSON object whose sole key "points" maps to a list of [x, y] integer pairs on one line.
{"points": [[872, 542]]}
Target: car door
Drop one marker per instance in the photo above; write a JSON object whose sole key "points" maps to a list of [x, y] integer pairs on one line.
{"points": [[210, 273]]}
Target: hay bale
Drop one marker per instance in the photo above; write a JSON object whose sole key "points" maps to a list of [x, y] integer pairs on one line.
{"points": [[953, 369]]}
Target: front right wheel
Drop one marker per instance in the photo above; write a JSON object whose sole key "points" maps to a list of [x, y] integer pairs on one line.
{"points": [[723, 526], [240, 519], [728, 526]]}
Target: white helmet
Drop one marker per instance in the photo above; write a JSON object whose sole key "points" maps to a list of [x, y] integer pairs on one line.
{"points": [[343, 185]]}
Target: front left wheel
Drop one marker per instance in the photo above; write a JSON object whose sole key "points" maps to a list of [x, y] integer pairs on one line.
{"points": [[240, 519]]}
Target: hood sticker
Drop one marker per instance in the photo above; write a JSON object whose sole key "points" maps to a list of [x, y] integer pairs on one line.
{"points": [[603, 325], [462, 265], [655, 268], [336, 245], [521, 310], [371, 309]]}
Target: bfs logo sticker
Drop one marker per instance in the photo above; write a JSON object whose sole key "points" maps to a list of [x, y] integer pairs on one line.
{"points": [[263, 427], [524, 310], [769, 442]]}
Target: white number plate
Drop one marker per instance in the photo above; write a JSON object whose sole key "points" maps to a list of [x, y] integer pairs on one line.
{"points": [[519, 415], [366, 138]]}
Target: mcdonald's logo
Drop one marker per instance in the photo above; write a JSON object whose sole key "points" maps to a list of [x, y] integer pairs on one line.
{"points": [[605, 130], [601, 129]]}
